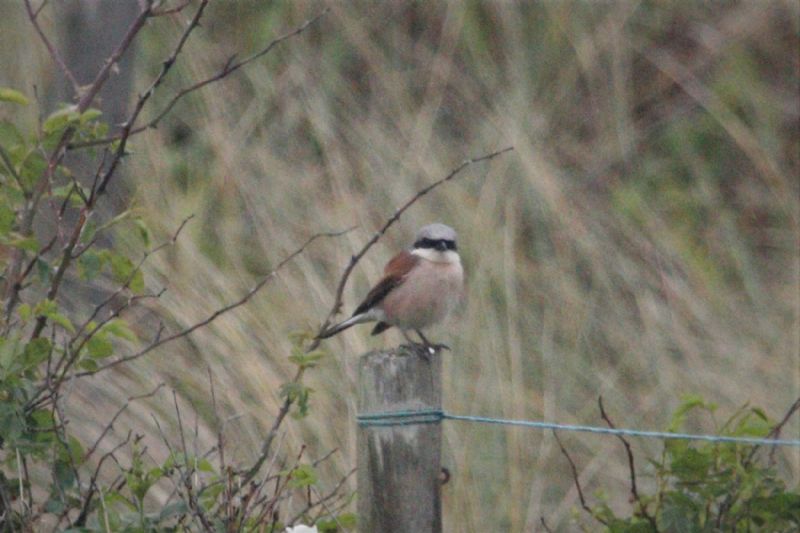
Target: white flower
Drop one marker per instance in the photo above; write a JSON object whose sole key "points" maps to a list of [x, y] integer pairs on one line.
{"points": [[302, 529]]}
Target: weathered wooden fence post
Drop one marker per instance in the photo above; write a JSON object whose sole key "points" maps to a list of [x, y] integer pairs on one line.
{"points": [[399, 461]]}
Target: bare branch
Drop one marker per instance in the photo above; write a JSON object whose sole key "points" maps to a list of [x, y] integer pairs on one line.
{"points": [[390, 221], [57, 59], [66, 259], [110, 424], [171, 242], [10, 166], [172, 10], [166, 66], [577, 482], [87, 500], [138, 23], [216, 314], [287, 403], [57, 155], [631, 467], [228, 68], [322, 499], [775, 433], [41, 6]]}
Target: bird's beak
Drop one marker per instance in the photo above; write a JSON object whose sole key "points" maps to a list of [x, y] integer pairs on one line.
{"points": [[441, 246]]}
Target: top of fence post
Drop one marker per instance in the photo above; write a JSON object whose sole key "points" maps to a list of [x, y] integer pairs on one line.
{"points": [[399, 464]]}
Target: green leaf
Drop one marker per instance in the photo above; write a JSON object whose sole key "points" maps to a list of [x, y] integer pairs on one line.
{"points": [[7, 218], [302, 476], [49, 309], [204, 465], [175, 509], [124, 271], [9, 138], [119, 328], [90, 114], [348, 521], [689, 402], [99, 347], [144, 232], [306, 360], [25, 312], [89, 265], [36, 351], [59, 120], [9, 349], [88, 364], [29, 244], [11, 95], [89, 231], [298, 337], [691, 465], [75, 449], [63, 474], [62, 321], [43, 270], [298, 394], [116, 220], [760, 413], [69, 191], [32, 168], [678, 513], [54, 505]]}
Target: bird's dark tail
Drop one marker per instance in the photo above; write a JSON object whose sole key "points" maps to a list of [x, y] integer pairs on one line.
{"points": [[338, 328]]}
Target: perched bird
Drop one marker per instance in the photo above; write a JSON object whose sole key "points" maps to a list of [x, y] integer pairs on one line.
{"points": [[419, 288]]}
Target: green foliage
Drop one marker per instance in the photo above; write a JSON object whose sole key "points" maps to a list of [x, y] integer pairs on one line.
{"points": [[711, 486], [45, 343], [10, 95], [299, 395]]}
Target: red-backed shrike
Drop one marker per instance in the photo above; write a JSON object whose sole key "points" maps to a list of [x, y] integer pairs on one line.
{"points": [[419, 288]]}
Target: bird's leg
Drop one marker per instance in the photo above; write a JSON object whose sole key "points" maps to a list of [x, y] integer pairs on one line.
{"points": [[429, 345], [405, 334]]}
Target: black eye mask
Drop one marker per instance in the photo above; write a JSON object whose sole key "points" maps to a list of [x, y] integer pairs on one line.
{"points": [[436, 244]]}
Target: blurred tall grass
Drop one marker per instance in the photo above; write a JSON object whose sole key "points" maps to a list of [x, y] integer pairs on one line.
{"points": [[640, 243]]}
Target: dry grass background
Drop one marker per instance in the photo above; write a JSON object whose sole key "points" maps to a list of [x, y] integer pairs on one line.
{"points": [[640, 243]]}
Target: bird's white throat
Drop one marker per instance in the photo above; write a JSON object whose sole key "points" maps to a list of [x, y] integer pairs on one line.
{"points": [[436, 256]]}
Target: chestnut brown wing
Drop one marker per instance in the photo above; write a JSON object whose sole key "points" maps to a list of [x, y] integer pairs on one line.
{"points": [[394, 274]]}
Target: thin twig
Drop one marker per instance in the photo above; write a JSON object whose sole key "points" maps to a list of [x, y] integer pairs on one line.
{"points": [[631, 467], [577, 482], [57, 155], [775, 433], [14, 174], [172, 10], [216, 314], [80, 521], [337, 302], [391, 220], [138, 23], [110, 425], [322, 499], [227, 68], [57, 59], [166, 66], [171, 242]]}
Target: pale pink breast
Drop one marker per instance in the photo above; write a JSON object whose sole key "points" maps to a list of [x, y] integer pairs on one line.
{"points": [[429, 293]]}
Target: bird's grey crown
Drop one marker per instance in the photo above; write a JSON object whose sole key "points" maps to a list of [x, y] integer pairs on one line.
{"points": [[436, 232]]}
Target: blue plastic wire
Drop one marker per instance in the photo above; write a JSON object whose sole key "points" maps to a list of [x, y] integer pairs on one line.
{"points": [[432, 416]]}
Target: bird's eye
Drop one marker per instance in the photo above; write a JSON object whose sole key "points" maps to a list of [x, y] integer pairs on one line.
{"points": [[451, 245]]}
